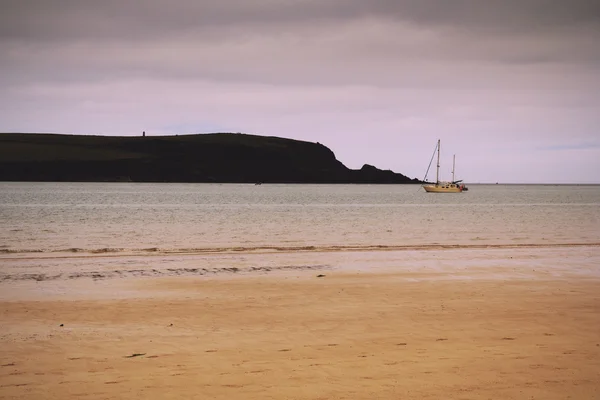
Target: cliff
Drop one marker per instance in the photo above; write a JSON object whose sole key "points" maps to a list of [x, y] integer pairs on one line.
{"points": [[217, 157]]}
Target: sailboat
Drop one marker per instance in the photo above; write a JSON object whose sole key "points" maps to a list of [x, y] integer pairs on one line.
{"points": [[444, 187]]}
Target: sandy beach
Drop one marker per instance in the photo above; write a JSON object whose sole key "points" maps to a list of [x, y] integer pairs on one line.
{"points": [[430, 334]]}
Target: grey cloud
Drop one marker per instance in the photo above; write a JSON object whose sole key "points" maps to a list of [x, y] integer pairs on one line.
{"points": [[293, 42], [72, 19], [367, 52]]}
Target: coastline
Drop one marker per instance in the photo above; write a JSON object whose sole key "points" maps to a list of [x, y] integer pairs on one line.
{"points": [[409, 325]]}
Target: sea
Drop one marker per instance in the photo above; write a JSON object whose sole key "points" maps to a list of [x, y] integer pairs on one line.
{"points": [[102, 231]]}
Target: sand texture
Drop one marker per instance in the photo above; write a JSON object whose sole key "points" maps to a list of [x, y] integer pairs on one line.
{"points": [[345, 335]]}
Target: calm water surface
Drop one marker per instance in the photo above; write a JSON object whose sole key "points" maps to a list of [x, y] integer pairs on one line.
{"points": [[60, 232], [133, 217]]}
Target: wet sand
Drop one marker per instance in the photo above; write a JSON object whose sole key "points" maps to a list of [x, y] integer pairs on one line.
{"points": [[294, 335]]}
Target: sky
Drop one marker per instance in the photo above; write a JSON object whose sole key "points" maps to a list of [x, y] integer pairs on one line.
{"points": [[512, 87]]}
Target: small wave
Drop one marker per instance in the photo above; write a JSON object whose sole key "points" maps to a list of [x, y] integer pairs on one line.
{"points": [[151, 249], [154, 272], [107, 250], [18, 251], [293, 249], [68, 250], [73, 250]]}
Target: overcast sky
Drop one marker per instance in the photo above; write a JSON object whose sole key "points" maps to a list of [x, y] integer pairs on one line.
{"points": [[512, 87]]}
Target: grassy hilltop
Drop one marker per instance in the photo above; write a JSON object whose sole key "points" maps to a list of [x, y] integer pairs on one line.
{"points": [[216, 157]]}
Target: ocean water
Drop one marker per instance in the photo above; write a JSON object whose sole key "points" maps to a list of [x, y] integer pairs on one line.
{"points": [[54, 230]]}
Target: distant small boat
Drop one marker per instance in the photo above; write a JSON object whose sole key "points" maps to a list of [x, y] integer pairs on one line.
{"points": [[453, 186]]}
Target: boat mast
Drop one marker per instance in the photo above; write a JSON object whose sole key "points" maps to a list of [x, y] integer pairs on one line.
{"points": [[453, 166], [437, 171]]}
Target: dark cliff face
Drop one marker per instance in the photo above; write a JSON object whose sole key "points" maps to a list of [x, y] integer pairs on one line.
{"points": [[219, 157]]}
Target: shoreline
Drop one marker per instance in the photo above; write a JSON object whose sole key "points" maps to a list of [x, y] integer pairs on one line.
{"points": [[581, 259], [359, 335], [75, 252]]}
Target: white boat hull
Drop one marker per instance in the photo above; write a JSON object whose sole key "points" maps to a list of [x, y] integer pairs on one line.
{"points": [[450, 188]]}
